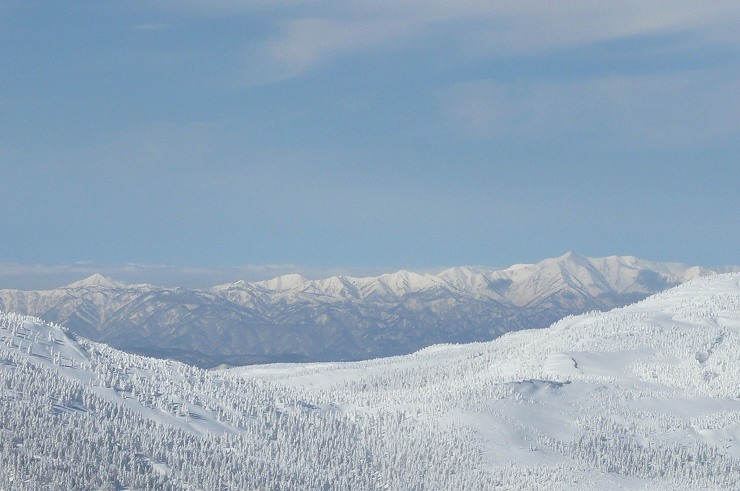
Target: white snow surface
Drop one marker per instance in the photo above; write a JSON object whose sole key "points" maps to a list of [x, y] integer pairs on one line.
{"points": [[642, 397]]}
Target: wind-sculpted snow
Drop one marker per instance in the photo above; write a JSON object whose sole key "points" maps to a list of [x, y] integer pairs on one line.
{"points": [[291, 318], [642, 397]]}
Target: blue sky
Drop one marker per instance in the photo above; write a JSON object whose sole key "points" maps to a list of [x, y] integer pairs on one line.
{"points": [[201, 141]]}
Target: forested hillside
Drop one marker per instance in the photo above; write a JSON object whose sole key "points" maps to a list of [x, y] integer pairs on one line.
{"points": [[643, 396]]}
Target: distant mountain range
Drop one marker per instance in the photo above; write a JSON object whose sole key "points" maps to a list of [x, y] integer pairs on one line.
{"points": [[291, 318], [640, 397]]}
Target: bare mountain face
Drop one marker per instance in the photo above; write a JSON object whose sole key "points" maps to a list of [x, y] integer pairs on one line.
{"points": [[290, 318]]}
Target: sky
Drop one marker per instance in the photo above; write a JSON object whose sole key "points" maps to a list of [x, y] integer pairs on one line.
{"points": [[199, 142]]}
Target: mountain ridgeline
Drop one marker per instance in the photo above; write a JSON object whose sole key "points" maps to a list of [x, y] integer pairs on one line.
{"points": [[291, 318]]}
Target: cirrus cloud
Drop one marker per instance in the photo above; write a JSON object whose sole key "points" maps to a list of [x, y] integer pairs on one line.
{"points": [[482, 28]]}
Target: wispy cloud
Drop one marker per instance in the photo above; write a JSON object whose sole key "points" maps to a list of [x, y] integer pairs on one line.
{"points": [[300, 35], [484, 28], [304, 42]]}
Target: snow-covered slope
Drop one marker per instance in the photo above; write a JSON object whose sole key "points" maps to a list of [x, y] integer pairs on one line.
{"points": [[642, 397], [291, 318]]}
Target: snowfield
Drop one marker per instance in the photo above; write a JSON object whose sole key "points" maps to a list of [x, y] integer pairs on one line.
{"points": [[642, 397]]}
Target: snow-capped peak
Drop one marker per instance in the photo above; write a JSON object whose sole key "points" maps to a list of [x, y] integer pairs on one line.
{"points": [[96, 280], [569, 256], [284, 282]]}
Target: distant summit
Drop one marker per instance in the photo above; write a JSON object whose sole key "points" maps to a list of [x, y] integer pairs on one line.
{"points": [[96, 280], [283, 283]]}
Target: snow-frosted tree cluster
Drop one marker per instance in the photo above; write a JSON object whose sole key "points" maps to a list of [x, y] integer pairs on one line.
{"points": [[644, 397]]}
